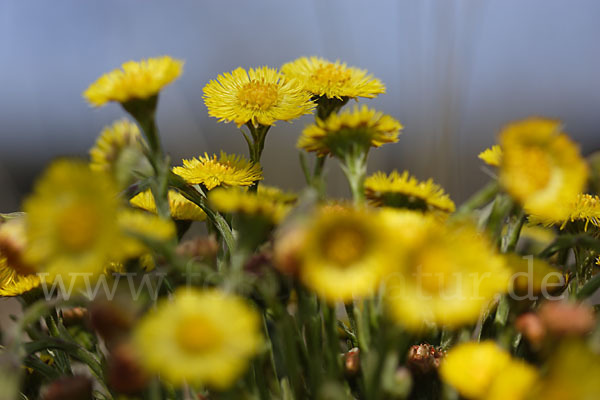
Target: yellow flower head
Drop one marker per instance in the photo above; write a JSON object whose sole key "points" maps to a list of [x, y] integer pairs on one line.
{"points": [[253, 204], [136, 80], [532, 275], [483, 371], [340, 133], [492, 156], [572, 374], [333, 80], [16, 276], [72, 220], [541, 167], [405, 191], [583, 210], [277, 194], [201, 337], [138, 227], [227, 170], [345, 253], [181, 208], [447, 274], [259, 96]]}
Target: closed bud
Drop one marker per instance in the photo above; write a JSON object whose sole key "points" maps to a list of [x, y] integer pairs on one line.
{"points": [[70, 388], [352, 361], [203, 248], [532, 328], [424, 359], [567, 319], [125, 374]]}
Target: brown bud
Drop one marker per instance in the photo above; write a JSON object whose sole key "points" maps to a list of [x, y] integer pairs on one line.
{"points": [[352, 361], [111, 319], [12, 245], [204, 248], [532, 328], [74, 315], [563, 318], [257, 262], [125, 374], [424, 358], [286, 253], [70, 388]]}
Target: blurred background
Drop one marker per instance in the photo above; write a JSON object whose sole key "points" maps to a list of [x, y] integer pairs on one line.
{"points": [[455, 71]]}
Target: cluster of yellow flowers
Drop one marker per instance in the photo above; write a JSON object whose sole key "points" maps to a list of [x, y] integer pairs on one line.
{"points": [[256, 314]]}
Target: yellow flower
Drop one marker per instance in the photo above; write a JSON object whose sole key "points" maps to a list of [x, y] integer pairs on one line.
{"points": [[483, 371], [201, 337], [16, 277], [584, 209], [72, 220], [136, 80], [181, 208], [340, 133], [492, 156], [532, 275], [333, 80], [259, 96], [447, 274], [405, 191], [573, 374], [345, 253], [228, 170], [138, 227], [277, 194], [237, 201], [541, 167]]}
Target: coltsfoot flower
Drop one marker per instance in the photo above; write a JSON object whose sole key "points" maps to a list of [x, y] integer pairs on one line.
{"points": [[135, 80], [257, 96], [16, 276], [446, 274], [332, 79], [581, 212], [483, 371], [405, 191], [345, 252], [202, 337], [181, 208], [251, 204], [492, 156], [341, 134], [541, 167], [71, 220], [137, 228], [227, 170]]}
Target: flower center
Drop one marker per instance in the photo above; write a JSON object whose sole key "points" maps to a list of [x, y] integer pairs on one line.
{"points": [[331, 75], [77, 226], [197, 334], [344, 245], [258, 95], [434, 272]]}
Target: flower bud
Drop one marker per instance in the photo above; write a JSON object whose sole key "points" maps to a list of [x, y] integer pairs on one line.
{"points": [[423, 359], [74, 315], [70, 388], [352, 361], [204, 248], [287, 250], [566, 319], [125, 374], [532, 328]]}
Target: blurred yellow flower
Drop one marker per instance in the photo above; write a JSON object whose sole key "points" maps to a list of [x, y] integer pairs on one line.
{"points": [[181, 208], [572, 374], [136, 80], [341, 133], [492, 156], [405, 191], [16, 277], [483, 371], [227, 170], [541, 167], [584, 209], [138, 227], [533, 274], [258, 96], [201, 338], [277, 194], [253, 204], [345, 252], [111, 143], [447, 274], [332, 79], [71, 220]]}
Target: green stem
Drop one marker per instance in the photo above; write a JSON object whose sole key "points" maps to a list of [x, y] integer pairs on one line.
{"points": [[509, 242], [355, 169], [480, 198]]}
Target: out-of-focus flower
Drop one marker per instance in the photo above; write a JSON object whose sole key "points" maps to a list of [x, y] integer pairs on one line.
{"points": [[124, 372], [541, 167], [532, 328], [447, 274], [118, 151], [250, 204], [485, 371], [352, 361], [14, 283], [565, 319], [227, 170], [332, 80], [346, 252], [423, 359], [13, 242], [258, 96], [71, 221], [573, 374], [137, 227], [181, 208], [201, 337], [492, 156], [135, 80], [277, 194], [350, 131], [532, 275], [204, 248], [582, 211], [405, 191]]}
